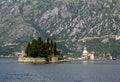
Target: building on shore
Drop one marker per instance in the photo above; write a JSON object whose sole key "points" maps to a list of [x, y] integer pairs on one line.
{"points": [[85, 54], [59, 52], [88, 55], [91, 55]]}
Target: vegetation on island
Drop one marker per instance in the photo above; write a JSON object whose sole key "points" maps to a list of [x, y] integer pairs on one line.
{"points": [[40, 48]]}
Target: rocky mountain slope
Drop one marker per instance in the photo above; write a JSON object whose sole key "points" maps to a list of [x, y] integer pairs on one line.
{"points": [[72, 23]]}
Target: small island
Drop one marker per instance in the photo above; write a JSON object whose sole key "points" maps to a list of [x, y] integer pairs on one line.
{"points": [[39, 51]]}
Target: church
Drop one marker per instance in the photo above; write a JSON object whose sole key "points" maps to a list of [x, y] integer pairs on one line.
{"points": [[88, 55]]}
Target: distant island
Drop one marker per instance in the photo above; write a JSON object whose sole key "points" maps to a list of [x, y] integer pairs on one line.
{"points": [[41, 51]]}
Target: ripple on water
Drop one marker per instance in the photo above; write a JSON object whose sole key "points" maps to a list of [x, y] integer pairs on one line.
{"points": [[73, 71], [22, 77]]}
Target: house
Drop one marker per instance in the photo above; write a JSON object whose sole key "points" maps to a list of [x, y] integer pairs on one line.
{"points": [[59, 52], [91, 55]]}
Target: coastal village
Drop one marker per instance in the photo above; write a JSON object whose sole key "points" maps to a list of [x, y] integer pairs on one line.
{"points": [[90, 55]]}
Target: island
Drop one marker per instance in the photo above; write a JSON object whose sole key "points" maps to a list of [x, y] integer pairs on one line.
{"points": [[41, 51]]}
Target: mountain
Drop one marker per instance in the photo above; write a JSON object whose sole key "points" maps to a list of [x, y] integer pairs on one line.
{"points": [[72, 23]]}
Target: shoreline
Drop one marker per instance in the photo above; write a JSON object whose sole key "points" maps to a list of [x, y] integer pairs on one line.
{"points": [[38, 60]]}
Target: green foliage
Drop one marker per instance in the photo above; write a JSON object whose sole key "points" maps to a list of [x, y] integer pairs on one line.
{"points": [[92, 18], [39, 48], [54, 48], [110, 47], [59, 57]]}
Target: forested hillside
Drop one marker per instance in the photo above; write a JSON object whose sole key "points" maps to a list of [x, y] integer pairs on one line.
{"points": [[71, 23]]}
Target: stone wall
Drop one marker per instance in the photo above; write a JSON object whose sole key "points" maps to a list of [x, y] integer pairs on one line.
{"points": [[31, 60]]}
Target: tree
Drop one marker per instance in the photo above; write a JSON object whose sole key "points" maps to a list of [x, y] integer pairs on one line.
{"points": [[115, 53], [48, 41], [27, 51], [34, 48], [39, 48], [54, 48], [51, 47], [39, 39]]}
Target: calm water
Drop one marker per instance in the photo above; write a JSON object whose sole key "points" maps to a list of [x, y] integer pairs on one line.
{"points": [[75, 71]]}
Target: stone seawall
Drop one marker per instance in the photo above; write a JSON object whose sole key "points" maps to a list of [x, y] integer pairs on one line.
{"points": [[31, 60]]}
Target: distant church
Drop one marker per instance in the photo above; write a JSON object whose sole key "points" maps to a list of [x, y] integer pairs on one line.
{"points": [[88, 55]]}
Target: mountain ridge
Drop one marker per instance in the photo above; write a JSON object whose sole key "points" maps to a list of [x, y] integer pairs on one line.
{"points": [[71, 21]]}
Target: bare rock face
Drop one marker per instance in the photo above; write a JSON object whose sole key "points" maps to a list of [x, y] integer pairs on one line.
{"points": [[72, 23]]}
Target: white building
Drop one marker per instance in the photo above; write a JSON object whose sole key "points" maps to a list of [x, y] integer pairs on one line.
{"points": [[85, 54]]}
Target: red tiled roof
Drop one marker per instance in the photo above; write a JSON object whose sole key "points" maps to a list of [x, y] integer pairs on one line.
{"points": [[92, 52]]}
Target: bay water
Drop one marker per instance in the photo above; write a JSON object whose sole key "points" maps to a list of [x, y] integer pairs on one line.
{"points": [[73, 71]]}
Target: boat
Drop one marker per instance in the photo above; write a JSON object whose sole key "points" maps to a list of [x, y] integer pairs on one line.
{"points": [[114, 59]]}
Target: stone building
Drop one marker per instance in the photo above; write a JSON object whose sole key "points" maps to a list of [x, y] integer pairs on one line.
{"points": [[91, 55]]}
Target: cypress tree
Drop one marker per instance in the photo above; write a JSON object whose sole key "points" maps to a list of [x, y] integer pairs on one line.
{"points": [[27, 51], [39, 39], [40, 46], [54, 48], [51, 47], [34, 48], [48, 41]]}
